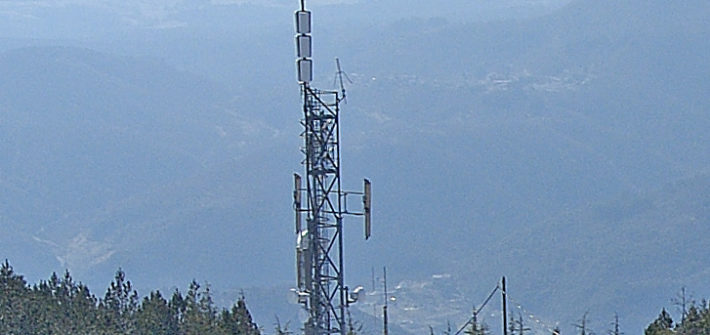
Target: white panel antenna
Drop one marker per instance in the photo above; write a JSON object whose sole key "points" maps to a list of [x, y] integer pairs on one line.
{"points": [[366, 202], [305, 70], [303, 22], [303, 46], [297, 200]]}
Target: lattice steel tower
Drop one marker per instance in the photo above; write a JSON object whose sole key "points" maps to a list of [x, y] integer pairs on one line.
{"points": [[319, 248]]}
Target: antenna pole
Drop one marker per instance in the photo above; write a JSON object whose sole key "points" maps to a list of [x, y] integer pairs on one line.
{"points": [[340, 77], [505, 310], [384, 308]]}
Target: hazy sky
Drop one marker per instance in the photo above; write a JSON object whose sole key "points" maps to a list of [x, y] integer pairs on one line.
{"points": [[512, 131]]}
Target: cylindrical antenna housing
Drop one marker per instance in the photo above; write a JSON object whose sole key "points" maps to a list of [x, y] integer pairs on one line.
{"points": [[304, 46], [305, 70], [303, 22]]}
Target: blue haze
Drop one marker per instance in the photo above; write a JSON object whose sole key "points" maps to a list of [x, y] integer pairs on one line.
{"points": [[563, 144]]}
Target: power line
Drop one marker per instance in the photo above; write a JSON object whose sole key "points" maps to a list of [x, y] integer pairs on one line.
{"points": [[478, 310]]}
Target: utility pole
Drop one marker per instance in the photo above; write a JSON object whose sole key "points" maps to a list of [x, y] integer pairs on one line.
{"points": [[505, 309], [681, 301], [384, 308]]}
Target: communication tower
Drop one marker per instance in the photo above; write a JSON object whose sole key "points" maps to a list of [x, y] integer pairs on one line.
{"points": [[319, 247]]}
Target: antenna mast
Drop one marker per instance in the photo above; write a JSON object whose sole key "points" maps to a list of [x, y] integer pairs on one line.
{"points": [[319, 248], [339, 77], [384, 308]]}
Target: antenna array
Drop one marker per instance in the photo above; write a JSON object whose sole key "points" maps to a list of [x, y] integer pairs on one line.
{"points": [[319, 247]]}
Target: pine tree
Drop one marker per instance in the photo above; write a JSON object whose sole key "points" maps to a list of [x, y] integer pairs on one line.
{"points": [[238, 321], [154, 316], [13, 302], [477, 328], [582, 325], [512, 324], [616, 328], [177, 307], [200, 316], [76, 310], [85, 310], [663, 325], [693, 323], [517, 327], [120, 305], [448, 330], [705, 318]]}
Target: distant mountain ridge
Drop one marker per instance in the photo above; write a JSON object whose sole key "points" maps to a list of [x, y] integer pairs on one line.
{"points": [[85, 132], [567, 151]]}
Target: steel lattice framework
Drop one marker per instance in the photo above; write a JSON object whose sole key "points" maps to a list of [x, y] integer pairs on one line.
{"points": [[324, 214]]}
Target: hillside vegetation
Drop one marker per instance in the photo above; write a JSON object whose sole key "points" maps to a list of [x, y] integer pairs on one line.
{"points": [[60, 305]]}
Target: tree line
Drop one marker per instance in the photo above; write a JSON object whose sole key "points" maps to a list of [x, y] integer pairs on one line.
{"points": [[694, 320], [60, 305]]}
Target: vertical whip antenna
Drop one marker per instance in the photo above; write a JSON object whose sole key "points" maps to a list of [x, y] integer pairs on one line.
{"points": [[339, 77]]}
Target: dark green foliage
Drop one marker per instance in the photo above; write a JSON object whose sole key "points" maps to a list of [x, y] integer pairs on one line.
{"points": [[119, 305], [663, 325], [696, 322], [62, 306], [200, 316], [155, 316], [13, 301], [239, 320]]}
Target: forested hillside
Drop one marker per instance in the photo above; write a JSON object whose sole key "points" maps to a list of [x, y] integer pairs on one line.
{"points": [[61, 305]]}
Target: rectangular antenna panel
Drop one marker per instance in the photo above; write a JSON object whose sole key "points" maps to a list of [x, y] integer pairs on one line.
{"points": [[303, 46], [305, 70], [299, 269], [303, 261], [366, 202], [297, 200], [303, 22]]}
